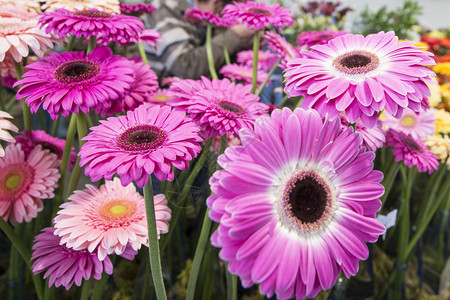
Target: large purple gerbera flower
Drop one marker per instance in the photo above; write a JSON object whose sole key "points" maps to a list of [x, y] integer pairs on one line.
{"points": [[295, 204], [361, 76], [92, 22], [71, 81], [145, 141]]}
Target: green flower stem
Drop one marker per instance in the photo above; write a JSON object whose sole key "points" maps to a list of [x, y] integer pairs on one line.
{"points": [[145, 281], [404, 228], [272, 70], [226, 54], [283, 101], [198, 256], [209, 52], [155, 260], [388, 180], [68, 47], [231, 285], [27, 118], [41, 120], [255, 61], [65, 163], [441, 238], [85, 287], [99, 287], [142, 53], [24, 253], [184, 192], [91, 44], [299, 103], [55, 126]]}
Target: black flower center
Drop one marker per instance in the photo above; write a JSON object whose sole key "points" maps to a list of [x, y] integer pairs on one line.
{"points": [[308, 200], [50, 147], [93, 14], [355, 61], [141, 137], [231, 107], [412, 145], [260, 11], [76, 71]]}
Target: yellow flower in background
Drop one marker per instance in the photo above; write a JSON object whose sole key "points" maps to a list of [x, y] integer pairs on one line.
{"points": [[443, 121], [442, 68], [436, 96], [419, 44], [440, 146], [436, 34]]}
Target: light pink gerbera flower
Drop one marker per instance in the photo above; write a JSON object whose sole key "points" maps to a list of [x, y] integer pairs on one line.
{"points": [[19, 32], [413, 152], [161, 97], [266, 59], [258, 15], [222, 107], [281, 47], [145, 141], [25, 182], [373, 138], [33, 6], [30, 139], [301, 194], [107, 219], [5, 127], [361, 76], [137, 9], [74, 5], [419, 125], [71, 81], [92, 22], [65, 266], [242, 72], [311, 38]]}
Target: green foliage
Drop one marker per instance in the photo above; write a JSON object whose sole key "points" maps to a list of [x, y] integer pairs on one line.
{"points": [[400, 20]]}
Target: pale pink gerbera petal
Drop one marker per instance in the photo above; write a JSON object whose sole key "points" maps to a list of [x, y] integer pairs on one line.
{"points": [[145, 141], [73, 5], [108, 219], [64, 266], [311, 38], [25, 182], [373, 138], [419, 125], [161, 97], [20, 33], [30, 5], [266, 59], [72, 81], [242, 72], [412, 151], [221, 106], [361, 76], [258, 15], [295, 204], [5, 127], [281, 47]]}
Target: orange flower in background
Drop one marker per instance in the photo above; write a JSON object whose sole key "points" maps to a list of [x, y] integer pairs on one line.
{"points": [[445, 42]]}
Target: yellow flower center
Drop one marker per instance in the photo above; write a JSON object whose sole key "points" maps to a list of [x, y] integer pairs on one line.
{"points": [[12, 181], [118, 209], [408, 121], [160, 98]]}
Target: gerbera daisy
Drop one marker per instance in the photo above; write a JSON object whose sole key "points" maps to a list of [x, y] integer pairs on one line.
{"points": [[411, 151], [242, 72], [92, 22], [5, 127], [419, 125], [281, 47], [137, 9], [145, 141], [182, 92], [266, 59], [25, 182], [73, 5], [72, 81], [19, 32], [161, 97], [30, 139], [301, 194], [107, 219], [361, 76], [311, 38], [195, 15], [258, 15], [442, 121], [30, 5], [440, 146], [373, 138], [222, 106], [65, 266]]}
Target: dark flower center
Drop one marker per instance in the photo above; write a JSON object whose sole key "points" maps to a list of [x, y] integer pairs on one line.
{"points": [[76, 71], [308, 200], [50, 147], [324, 36], [411, 144], [93, 14], [142, 137], [231, 107], [260, 11], [356, 62]]}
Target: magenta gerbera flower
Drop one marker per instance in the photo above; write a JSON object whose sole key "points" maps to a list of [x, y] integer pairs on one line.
{"points": [[242, 72], [30, 139], [107, 219], [222, 107], [373, 138], [420, 125], [195, 15], [311, 38], [65, 266], [71, 81], [266, 59], [145, 141], [25, 182], [137, 9], [258, 15], [361, 76], [91, 22], [281, 47], [412, 151], [301, 194]]}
